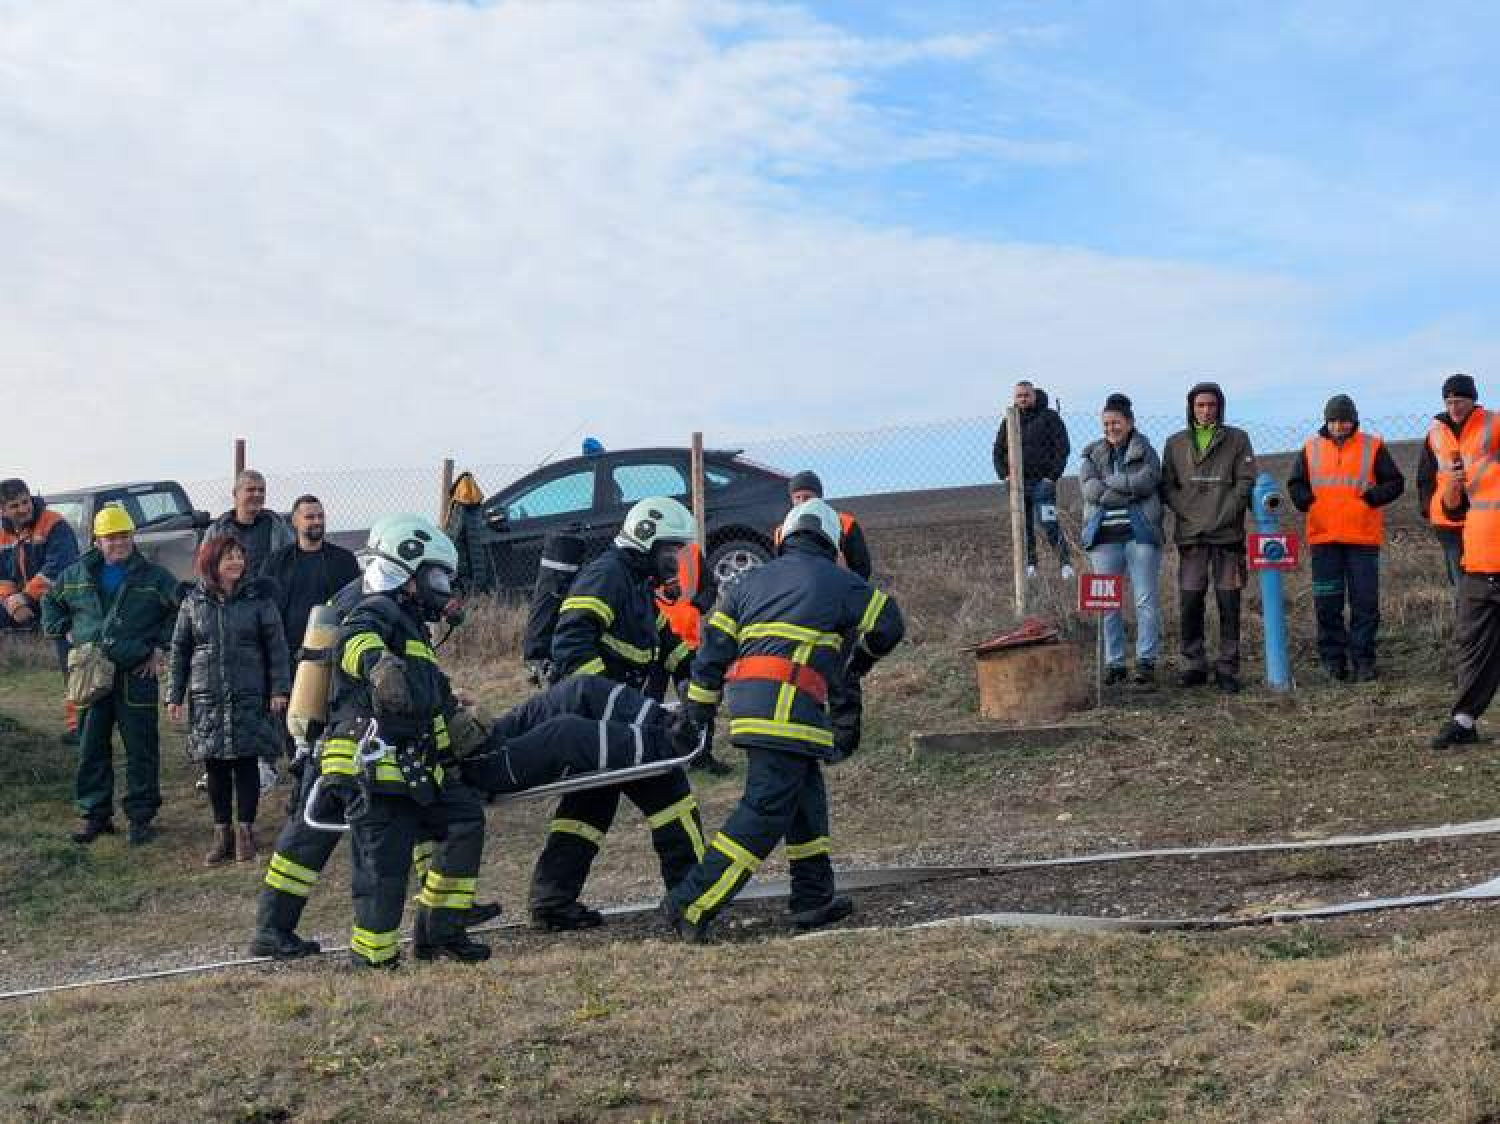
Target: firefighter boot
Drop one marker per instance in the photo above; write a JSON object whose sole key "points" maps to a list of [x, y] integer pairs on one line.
{"points": [[689, 931], [479, 913], [566, 918], [279, 944], [834, 909], [434, 938]]}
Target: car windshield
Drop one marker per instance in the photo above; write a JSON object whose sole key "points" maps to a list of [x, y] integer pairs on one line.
{"points": [[72, 511], [148, 505]]}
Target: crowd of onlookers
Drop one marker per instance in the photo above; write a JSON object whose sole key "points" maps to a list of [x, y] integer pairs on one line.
{"points": [[227, 649], [224, 651], [1342, 478]]}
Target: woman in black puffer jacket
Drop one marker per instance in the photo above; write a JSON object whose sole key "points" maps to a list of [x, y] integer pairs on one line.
{"points": [[229, 661]]}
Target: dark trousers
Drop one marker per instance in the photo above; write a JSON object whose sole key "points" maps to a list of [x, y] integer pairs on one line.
{"points": [[383, 838], [130, 706], [1199, 567], [1452, 542], [233, 787], [1043, 493], [1340, 573], [302, 852], [583, 819], [1478, 640], [563, 747], [784, 798]]}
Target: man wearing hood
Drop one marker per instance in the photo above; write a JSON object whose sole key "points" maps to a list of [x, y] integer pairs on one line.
{"points": [[1342, 479], [1044, 455], [1207, 472], [36, 546], [261, 532]]}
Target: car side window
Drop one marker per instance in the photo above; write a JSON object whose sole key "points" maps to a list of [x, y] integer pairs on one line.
{"points": [[71, 510], [716, 478], [637, 481], [562, 496], [153, 507]]}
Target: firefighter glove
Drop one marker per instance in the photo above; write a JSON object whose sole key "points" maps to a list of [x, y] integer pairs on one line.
{"points": [[388, 688], [468, 730], [860, 663]]}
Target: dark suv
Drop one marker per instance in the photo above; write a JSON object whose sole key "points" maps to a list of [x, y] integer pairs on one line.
{"points": [[589, 496]]}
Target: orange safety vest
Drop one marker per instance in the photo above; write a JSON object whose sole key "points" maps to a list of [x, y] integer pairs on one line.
{"points": [[846, 524], [1480, 449], [1445, 446], [1340, 475], [682, 615]]}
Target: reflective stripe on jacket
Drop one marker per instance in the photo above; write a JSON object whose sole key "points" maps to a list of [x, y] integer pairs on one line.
{"points": [[1480, 451], [1340, 473], [1446, 446], [801, 607], [608, 623], [33, 558]]}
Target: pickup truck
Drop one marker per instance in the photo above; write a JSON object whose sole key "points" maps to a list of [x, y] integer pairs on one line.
{"points": [[167, 527]]}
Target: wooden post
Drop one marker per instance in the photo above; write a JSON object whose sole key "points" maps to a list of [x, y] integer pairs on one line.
{"points": [[1017, 507], [700, 497], [239, 456], [445, 492]]}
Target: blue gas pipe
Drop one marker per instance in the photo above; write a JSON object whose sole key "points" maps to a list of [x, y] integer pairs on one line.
{"points": [[1265, 504]]}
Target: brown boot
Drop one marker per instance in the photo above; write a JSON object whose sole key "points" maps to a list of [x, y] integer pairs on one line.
{"points": [[223, 847], [244, 842]]}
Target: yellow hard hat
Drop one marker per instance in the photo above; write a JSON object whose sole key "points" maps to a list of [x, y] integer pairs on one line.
{"points": [[113, 520]]}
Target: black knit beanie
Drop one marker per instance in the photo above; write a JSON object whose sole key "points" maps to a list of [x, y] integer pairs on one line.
{"points": [[1460, 386], [1118, 403], [806, 481], [1341, 408]]}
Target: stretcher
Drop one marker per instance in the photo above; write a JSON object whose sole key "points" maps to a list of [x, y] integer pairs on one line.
{"points": [[371, 748]]}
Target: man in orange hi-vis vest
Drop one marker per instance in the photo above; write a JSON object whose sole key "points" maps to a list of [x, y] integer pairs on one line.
{"points": [[1470, 491], [1460, 399], [1342, 480]]}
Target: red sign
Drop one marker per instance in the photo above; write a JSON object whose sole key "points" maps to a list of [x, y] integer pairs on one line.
{"points": [[1101, 593], [1273, 552]]}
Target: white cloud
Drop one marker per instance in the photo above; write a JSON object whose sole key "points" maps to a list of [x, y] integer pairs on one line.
{"points": [[362, 232]]}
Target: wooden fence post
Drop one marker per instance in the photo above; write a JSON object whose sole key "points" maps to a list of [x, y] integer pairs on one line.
{"points": [[446, 491], [239, 457], [700, 501], [1017, 507]]}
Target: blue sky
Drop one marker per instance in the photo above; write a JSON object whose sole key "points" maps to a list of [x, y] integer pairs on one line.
{"points": [[507, 224]]}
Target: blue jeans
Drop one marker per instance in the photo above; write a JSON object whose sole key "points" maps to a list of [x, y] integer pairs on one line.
{"points": [[1041, 496], [1143, 563]]}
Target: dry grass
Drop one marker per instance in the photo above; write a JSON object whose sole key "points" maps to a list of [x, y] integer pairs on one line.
{"points": [[1390, 1019]]}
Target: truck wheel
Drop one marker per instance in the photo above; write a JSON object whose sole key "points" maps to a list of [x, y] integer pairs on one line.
{"points": [[733, 559]]}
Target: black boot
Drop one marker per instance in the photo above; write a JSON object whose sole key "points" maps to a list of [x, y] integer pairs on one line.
{"points": [[689, 931], [711, 764], [279, 944], [566, 918], [434, 939], [834, 909], [90, 828]]}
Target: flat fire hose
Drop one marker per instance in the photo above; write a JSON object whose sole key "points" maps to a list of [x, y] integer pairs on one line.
{"points": [[1488, 890]]}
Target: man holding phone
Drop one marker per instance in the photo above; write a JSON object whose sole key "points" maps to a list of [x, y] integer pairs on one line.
{"points": [[1460, 414]]}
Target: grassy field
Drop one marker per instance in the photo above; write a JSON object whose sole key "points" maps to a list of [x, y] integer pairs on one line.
{"points": [[1389, 1017]]}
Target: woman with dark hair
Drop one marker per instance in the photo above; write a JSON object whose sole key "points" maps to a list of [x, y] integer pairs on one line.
{"points": [[229, 661], [1122, 531]]}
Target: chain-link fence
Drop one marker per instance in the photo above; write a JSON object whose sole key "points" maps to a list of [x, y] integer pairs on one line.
{"points": [[877, 462]]}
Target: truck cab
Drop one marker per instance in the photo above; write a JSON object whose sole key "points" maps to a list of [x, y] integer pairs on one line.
{"points": [[167, 527]]}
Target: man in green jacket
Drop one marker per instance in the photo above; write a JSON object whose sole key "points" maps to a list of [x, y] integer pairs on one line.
{"points": [[114, 598], [1207, 471]]}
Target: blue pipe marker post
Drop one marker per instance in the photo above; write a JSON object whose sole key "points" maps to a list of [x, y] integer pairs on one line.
{"points": [[1265, 504]]}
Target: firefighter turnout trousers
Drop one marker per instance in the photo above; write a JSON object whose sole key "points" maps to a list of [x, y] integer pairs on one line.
{"points": [[302, 852], [383, 839], [784, 798], [583, 819]]}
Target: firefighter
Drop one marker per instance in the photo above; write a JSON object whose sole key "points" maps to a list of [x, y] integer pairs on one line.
{"points": [[1342, 479], [845, 702], [776, 638], [682, 600], [388, 753], [609, 625]]}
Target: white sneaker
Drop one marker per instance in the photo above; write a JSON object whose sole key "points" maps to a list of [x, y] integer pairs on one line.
{"points": [[1030, 571], [1066, 572]]}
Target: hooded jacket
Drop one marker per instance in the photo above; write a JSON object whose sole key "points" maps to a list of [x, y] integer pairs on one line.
{"points": [[229, 658], [33, 557], [1044, 444], [1208, 493]]}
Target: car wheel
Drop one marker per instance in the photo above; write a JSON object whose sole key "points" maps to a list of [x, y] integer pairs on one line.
{"points": [[732, 560]]}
